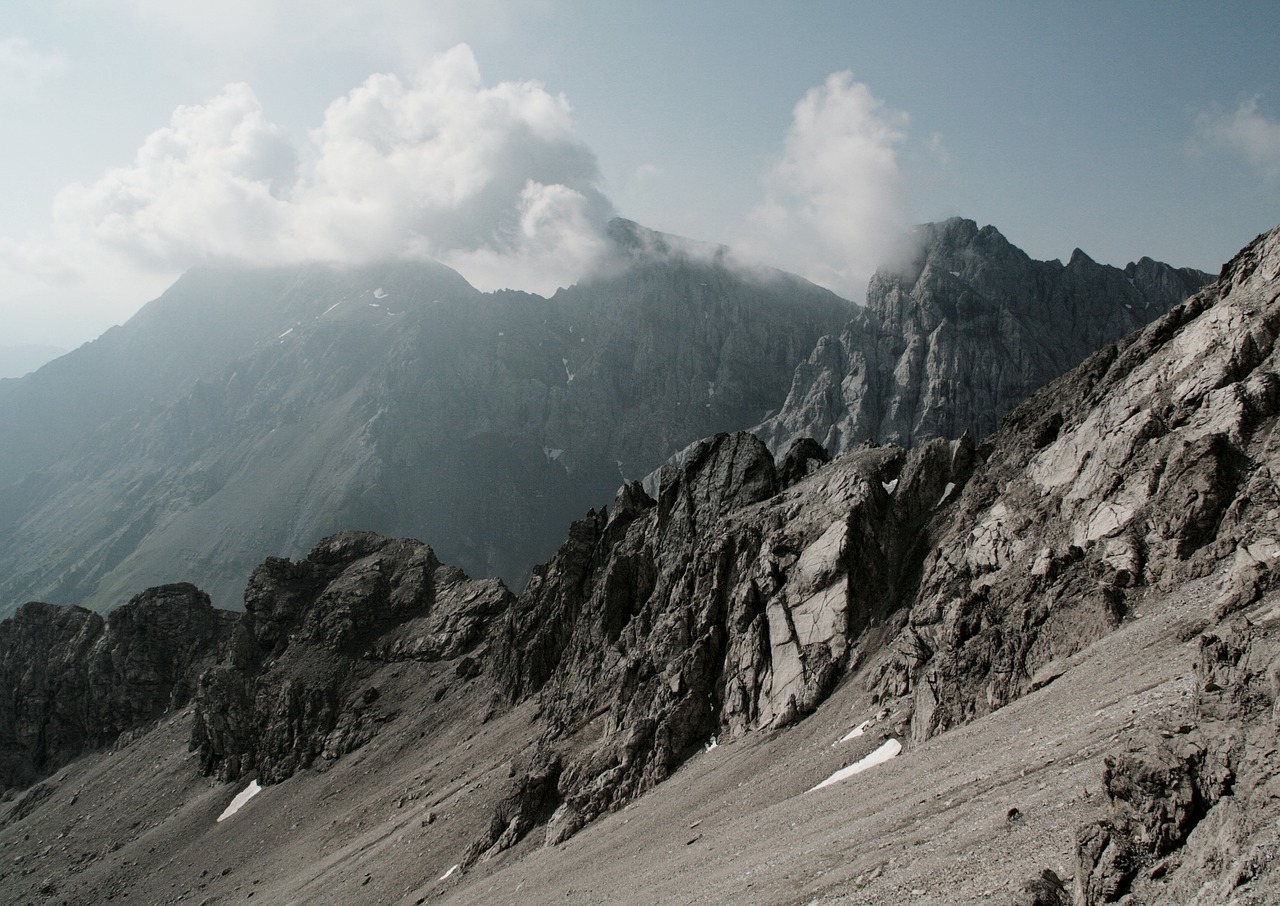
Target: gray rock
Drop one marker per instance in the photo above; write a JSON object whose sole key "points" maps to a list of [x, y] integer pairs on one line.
{"points": [[962, 333], [75, 681]]}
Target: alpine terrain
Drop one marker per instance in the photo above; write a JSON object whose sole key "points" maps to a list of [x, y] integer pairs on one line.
{"points": [[1028, 659], [254, 411]]}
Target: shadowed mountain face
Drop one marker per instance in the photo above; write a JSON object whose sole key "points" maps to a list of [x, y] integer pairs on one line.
{"points": [[261, 410]]}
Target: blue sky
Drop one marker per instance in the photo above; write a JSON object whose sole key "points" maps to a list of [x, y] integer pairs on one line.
{"points": [[144, 136]]}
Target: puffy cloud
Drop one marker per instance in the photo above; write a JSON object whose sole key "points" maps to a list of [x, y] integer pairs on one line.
{"points": [[1247, 132], [23, 65], [209, 184], [492, 179], [835, 202]]}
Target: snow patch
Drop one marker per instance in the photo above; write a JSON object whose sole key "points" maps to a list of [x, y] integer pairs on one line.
{"points": [[445, 876], [332, 307], [889, 486], [379, 294], [891, 749], [242, 797], [856, 731], [946, 492], [285, 334], [552, 453]]}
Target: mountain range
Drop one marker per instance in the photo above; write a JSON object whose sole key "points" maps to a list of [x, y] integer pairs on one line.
{"points": [[253, 410], [1035, 664]]}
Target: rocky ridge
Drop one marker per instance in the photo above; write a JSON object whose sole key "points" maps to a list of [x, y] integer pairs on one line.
{"points": [[74, 681], [961, 332]]}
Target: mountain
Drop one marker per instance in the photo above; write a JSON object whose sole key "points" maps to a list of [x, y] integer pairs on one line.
{"points": [[259, 409], [1039, 662], [392, 397], [960, 333]]}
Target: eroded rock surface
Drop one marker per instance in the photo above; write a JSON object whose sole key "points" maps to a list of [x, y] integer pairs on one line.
{"points": [[961, 333], [730, 604], [74, 681], [298, 680]]}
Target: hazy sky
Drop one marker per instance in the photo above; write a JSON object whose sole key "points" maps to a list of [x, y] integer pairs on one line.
{"points": [[142, 136]]}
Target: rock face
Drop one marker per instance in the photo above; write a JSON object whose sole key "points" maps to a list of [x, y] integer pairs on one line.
{"points": [[1148, 465], [393, 398], [962, 333], [732, 603], [953, 580], [74, 681], [300, 681]]}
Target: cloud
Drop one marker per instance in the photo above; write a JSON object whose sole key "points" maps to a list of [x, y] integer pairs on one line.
{"points": [[1246, 132], [491, 179], [23, 65], [836, 201]]}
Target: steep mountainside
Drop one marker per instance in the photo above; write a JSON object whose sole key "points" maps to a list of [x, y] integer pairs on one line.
{"points": [[1104, 559], [398, 399], [964, 331]]}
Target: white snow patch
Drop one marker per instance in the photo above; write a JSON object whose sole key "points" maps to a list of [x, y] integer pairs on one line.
{"points": [[891, 749], [955, 273], [374, 305], [242, 797], [379, 294], [552, 453], [946, 492], [332, 307], [711, 745], [285, 334], [449, 872], [889, 486], [856, 731]]}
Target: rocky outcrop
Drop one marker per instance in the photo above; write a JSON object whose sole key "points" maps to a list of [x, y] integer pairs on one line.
{"points": [[734, 602], [1192, 810], [75, 681], [1149, 464], [960, 334], [301, 677]]}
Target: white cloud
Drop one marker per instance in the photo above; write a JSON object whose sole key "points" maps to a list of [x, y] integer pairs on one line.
{"points": [[1247, 132], [836, 200], [23, 65], [490, 179]]}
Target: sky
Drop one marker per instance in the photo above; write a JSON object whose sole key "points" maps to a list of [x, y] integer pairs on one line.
{"points": [[142, 137]]}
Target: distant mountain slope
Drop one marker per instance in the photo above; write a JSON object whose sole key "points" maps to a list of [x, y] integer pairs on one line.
{"points": [[393, 398], [964, 331]]}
